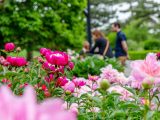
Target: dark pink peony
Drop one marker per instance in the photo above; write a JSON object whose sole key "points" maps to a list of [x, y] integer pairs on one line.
{"points": [[57, 58], [9, 47], [71, 65], [79, 82], [44, 51], [62, 81], [16, 61]]}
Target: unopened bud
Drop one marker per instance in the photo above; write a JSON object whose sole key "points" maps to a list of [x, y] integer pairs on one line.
{"points": [[18, 49], [148, 83], [67, 92], [104, 84]]}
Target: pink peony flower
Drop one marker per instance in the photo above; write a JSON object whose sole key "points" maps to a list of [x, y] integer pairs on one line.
{"points": [[79, 82], [44, 51], [57, 58], [112, 75], [16, 61], [69, 87], [125, 94], [82, 90], [71, 65], [61, 81], [9, 47], [26, 108], [142, 69]]}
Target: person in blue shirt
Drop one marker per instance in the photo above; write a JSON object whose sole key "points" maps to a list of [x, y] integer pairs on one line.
{"points": [[121, 48]]}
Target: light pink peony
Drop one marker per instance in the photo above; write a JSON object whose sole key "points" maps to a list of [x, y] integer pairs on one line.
{"points": [[125, 94], [9, 47], [26, 108], [69, 87], [82, 90], [112, 75], [148, 68], [79, 82], [16, 61], [57, 58]]}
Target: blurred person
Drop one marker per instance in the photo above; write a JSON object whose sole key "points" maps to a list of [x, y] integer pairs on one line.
{"points": [[121, 47], [85, 48], [102, 44]]}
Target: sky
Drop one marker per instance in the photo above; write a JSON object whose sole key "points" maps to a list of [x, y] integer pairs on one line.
{"points": [[121, 16]]}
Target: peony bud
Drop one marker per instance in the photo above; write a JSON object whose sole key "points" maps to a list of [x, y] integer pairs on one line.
{"points": [[147, 83], [47, 93], [104, 84], [18, 49], [26, 70], [9, 47], [67, 92]]}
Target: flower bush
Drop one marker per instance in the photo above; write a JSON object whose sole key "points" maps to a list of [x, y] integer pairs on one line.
{"points": [[106, 95]]}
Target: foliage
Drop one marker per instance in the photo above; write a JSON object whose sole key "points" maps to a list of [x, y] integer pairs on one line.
{"points": [[112, 39], [152, 45], [139, 55], [92, 65], [32, 23]]}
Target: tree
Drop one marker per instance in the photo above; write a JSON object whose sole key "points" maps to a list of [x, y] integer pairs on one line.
{"points": [[35, 23]]}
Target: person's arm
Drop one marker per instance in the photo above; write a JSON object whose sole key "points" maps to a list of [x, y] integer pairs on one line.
{"points": [[94, 47], [124, 44], [106, 49]]}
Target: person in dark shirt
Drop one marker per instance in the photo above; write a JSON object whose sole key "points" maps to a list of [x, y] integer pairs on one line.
{"points": [[102, 44], [121, 48]]}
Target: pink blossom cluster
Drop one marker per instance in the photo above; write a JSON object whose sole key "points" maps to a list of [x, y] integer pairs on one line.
{"points": [[13, 61], [55, 57], [26, 108], [54, 63], [16, 61], [158, 56], [113, 76], [145, 71]]}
